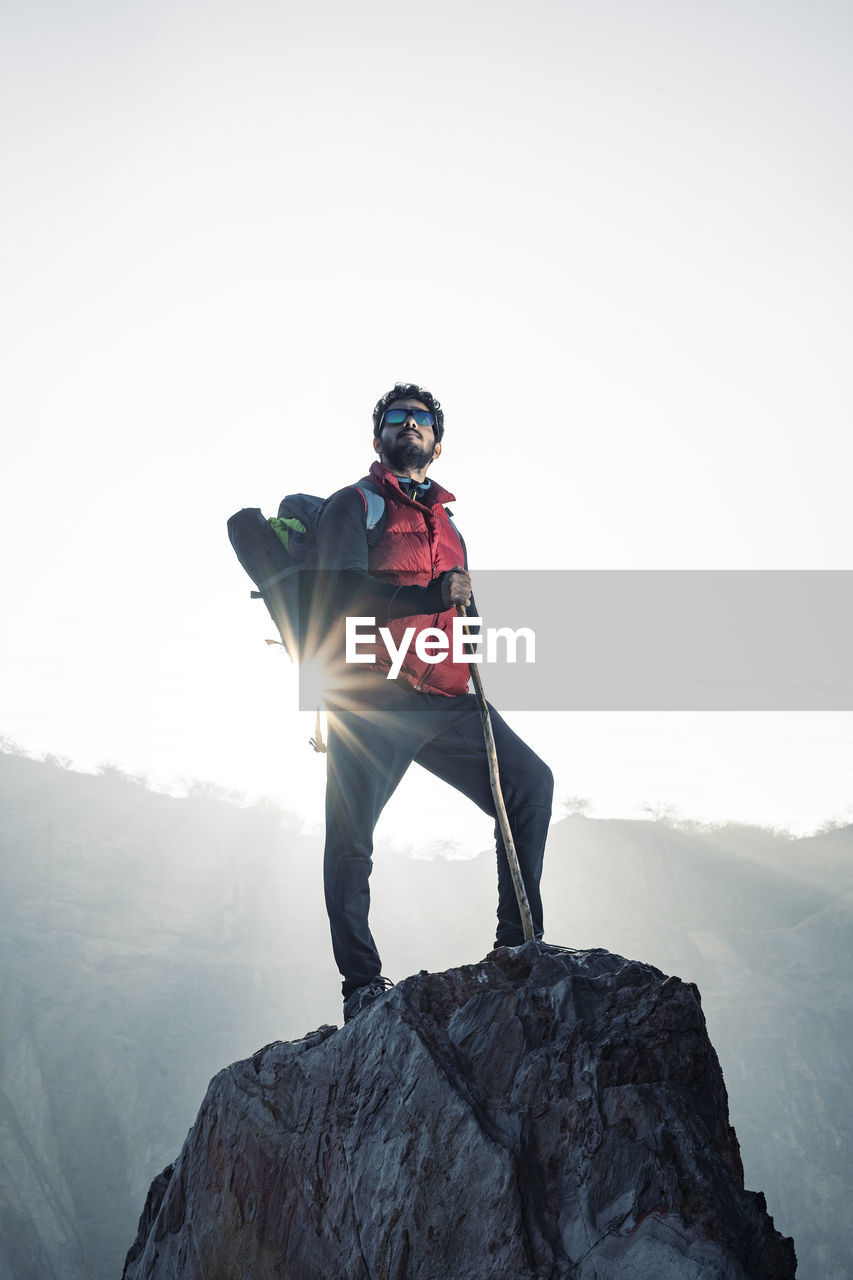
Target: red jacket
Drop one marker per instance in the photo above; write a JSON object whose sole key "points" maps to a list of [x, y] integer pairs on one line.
{"points": [[418, 543]]}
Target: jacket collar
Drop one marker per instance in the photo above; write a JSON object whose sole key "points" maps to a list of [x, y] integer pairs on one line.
{"points": [[384, 477]]}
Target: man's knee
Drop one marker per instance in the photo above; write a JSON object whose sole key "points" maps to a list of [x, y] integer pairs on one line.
{"points": [[538, 788], [547, 783]]}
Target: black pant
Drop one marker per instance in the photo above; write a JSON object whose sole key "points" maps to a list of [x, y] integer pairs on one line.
{"points": [[372, 740]]}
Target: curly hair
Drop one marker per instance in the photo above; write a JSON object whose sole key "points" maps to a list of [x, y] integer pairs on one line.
{"points": [[409, 391]]}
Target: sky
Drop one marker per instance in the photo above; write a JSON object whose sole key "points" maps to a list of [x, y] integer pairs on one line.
{"points": [[611, 237]]}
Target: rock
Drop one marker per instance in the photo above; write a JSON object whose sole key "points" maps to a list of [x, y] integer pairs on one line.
{"points": [[532, 1117]]}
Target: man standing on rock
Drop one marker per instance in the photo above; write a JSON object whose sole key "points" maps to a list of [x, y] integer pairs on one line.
{"points": [[392, 554]]}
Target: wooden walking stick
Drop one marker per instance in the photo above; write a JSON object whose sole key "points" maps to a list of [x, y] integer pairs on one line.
{"points": [[497, 794]]}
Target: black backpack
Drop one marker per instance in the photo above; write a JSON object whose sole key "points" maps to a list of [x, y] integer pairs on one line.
{"points": [[280, 556]]}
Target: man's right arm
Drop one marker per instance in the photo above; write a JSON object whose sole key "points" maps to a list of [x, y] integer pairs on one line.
{"points": [[343, 557]]}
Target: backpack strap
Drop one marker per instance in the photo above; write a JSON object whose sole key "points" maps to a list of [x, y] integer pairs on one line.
{"points": [[374, 510], [317, 741]]}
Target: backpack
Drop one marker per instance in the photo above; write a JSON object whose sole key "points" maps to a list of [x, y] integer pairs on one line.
{"points": [[280, 556]]}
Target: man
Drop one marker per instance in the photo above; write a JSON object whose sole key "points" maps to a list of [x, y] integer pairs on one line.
{"points": [[414, 573]]}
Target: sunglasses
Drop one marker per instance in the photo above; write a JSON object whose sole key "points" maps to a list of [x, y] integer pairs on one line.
{"points": [[394, 417]]}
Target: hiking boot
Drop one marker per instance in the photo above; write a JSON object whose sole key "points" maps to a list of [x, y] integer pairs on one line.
{"points": [[362, 997]]}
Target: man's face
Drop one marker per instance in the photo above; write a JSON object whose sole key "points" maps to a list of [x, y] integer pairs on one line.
{"points": [[406, 445]]}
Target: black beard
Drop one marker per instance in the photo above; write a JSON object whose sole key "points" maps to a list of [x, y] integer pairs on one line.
{"points": [[408, 455]]}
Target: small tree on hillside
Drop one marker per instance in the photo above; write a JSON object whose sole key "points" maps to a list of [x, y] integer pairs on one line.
{"points": [[577, 804]]}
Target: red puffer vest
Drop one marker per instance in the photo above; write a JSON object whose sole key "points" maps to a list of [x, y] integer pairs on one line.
{"points": [[418, 543]]}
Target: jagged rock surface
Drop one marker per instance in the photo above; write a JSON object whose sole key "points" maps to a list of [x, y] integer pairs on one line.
{"points": [[532, 1116]]}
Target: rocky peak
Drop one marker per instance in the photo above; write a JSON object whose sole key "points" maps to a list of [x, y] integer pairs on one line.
{"points": [[531, 1117]]}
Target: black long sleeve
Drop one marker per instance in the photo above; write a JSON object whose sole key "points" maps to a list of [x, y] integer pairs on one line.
{"points": [[343, 557]]}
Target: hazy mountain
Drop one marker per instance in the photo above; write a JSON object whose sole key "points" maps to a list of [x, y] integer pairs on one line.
{"points": [[148, 941]]}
